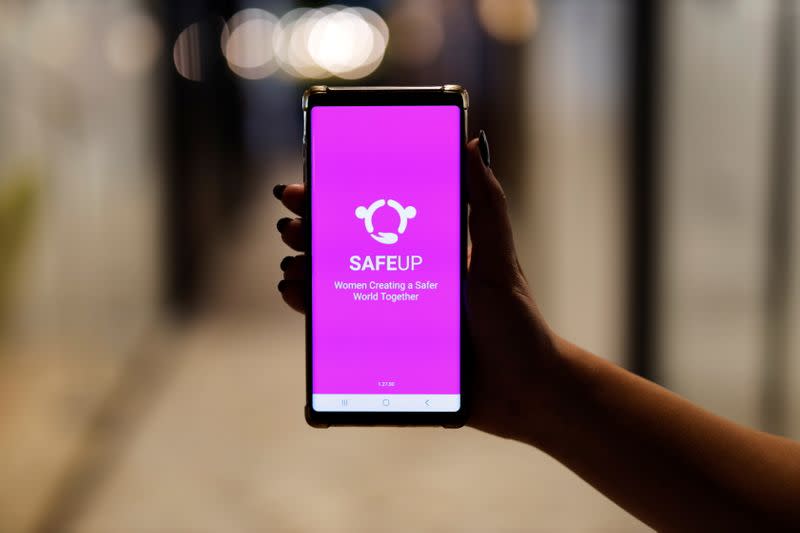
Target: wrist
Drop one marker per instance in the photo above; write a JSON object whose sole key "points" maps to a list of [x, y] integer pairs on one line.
{"points": [[558, 396]]}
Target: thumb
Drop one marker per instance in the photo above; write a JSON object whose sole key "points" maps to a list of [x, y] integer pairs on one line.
{"points": [[493, 253]]}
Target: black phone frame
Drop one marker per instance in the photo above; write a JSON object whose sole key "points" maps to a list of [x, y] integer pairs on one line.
{"points": [[321, 95]]}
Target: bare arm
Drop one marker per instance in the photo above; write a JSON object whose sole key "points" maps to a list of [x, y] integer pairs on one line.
{"points": [[666, 461]]}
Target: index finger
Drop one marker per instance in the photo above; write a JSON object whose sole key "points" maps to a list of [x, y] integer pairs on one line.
{"points": [[293, 197]]}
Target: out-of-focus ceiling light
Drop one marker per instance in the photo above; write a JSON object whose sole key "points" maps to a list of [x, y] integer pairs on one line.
{"points": [[509, 21], [418, 32], [380, 40], [331, 41], [246, 43], [290, 43], [132, 44], [340, 41], [300, 58], [346, 42], [187, 54], [282, 37]]}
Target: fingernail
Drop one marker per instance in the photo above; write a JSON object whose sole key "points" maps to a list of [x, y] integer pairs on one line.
{"points": [[483, 146], [277, 191], [282, 285], [286, 262], [282, 223]]}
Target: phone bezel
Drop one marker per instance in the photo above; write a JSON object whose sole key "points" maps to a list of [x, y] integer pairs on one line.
{"points": [[388, 96]]}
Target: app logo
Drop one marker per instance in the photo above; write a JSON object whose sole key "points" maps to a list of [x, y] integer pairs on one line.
{"points": [[365, 214]]}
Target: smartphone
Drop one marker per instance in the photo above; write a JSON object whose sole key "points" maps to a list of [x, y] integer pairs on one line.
{"points": [[386, 232]]}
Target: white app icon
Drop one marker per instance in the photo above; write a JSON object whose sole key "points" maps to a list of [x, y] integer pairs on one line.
{"points": [[365, 214]]}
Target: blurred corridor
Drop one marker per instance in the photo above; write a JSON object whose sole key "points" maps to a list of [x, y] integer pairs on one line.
{"points": [[151, 379]]}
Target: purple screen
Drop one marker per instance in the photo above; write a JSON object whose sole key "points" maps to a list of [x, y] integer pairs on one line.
{"points": [[386, 235]]}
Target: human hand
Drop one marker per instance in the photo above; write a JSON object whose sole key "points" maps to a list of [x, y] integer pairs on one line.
{"points": [[668, 462], [512, 344]]}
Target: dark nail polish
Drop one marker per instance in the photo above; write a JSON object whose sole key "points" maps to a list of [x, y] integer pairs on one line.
{"points": [[483, 146], [282, 285], [282, 223], [286, 262], [277, 191]]}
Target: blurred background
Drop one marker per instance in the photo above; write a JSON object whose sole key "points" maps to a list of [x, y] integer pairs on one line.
{"points": [[151, 378]]}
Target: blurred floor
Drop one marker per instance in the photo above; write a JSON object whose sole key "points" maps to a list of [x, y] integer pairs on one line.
{"points": [[47, 404], [223, 446]]}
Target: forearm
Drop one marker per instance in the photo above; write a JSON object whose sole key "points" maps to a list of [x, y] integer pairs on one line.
{"points": [[663, 459]]}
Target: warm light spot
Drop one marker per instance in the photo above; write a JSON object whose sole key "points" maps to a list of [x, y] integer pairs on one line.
{"points": [[331, 41], [418, 32], [340, 41], [290, 44], [510, 21], [346, 42], [247, 43], [380, 40], [186, 53]]}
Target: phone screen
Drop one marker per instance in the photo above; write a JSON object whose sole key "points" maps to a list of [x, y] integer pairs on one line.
{"points": [[386, 258]]}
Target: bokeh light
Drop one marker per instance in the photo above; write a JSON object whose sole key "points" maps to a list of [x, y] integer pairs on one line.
{"points": [[418, 30], [290, 44], [305, 43], [186, 53], [509, 21], [300, 58], [340, 41], [247, 43], [380, 40]]}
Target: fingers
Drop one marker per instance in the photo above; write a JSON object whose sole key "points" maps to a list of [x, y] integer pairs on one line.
{"points": [[292, 196], [293, 285], [292, 232], [489, 224], [294, 268], [293, 293]]}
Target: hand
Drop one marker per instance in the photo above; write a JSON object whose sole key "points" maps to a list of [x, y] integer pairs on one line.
{"points": [[513, 345], [668, 462]]}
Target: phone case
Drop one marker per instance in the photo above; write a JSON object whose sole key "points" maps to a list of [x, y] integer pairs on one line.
{"points": [[432, 95]]}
